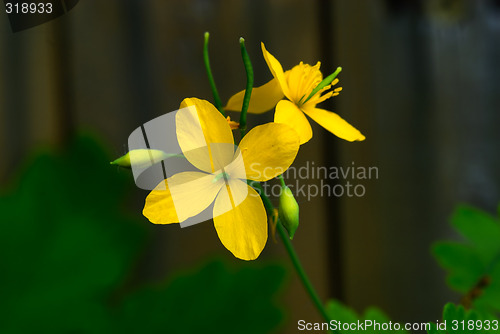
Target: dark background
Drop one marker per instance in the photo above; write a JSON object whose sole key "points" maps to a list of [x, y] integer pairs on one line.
{"points": [[420, 82]]}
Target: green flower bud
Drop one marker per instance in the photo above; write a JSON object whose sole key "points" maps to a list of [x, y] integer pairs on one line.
{"points": [[141, 158], [288, 211]]}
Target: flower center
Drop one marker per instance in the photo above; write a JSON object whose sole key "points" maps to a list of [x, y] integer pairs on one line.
{"points": [[302, 79], [219, 176]]}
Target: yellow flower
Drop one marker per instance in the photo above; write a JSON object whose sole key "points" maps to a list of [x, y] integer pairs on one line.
{"points": [[296, 84], [206, 141]]}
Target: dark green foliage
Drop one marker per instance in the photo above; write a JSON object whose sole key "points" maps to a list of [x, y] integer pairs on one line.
{"points": [[64, 243], [210, 300], [473, 269], [67, 248], [474, 265]]}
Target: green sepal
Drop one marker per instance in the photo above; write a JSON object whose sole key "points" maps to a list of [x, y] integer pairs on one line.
{"points": [[288, 211]]}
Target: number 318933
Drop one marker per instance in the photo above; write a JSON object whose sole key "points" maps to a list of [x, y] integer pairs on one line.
{"points": [[25, 8]]}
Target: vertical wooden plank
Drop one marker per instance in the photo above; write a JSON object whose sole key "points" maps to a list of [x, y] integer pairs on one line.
{"points": [[34, 97], [419, 86], [386, 95]]}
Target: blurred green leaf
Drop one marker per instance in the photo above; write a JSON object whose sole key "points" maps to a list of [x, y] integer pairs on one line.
{"points": [[65, 243], [458, 320], [481, 229], [343, 314], [474, 265], [489, 300], [464, 266], [212, 299], [67, 247]]}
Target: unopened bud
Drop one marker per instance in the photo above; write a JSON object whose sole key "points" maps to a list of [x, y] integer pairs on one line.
{"points": [[288, 211], [140, 158]]}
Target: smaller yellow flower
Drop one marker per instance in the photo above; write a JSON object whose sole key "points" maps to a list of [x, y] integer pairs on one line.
{"points": [[296, 84], [206, 141]]}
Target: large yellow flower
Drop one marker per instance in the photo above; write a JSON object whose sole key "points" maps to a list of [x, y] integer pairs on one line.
{"points": [[296, 84], [206, 141]]}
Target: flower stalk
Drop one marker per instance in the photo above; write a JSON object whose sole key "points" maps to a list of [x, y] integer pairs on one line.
{"points": [[282, 181], [249, 87]]}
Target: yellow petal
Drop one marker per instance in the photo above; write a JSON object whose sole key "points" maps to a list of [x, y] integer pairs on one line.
{"points": [[203, 134], [182, 196], [159, 207], [334, 123], [277, 70], [242, 230], [289, 114], [263, 98], [268, 150]]}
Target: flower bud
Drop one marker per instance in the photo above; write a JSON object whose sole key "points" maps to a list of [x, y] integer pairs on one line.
{"points": [[288, 211], [141, 158]]}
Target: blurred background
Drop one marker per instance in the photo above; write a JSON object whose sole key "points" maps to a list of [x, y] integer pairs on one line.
{"points": [[420, 82]]}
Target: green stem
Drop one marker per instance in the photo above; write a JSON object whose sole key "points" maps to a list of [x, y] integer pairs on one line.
{"points": [[293, 255], [282, 180], [301, 272], [217, 101], [248, 90], [267, 202]]}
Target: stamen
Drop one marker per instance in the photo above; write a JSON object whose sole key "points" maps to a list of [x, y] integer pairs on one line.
{"points": [[324, 97]]}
